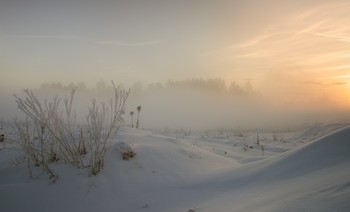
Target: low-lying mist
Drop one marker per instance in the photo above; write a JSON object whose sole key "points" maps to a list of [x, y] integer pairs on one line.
{"points": [[189, 104]]}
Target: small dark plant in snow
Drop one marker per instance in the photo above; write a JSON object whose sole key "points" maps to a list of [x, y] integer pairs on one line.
{"points": [[3, 138], [245, 147], [191, 210], [239, 133], [138, 116], [127, 151], [274, 136], [129, 154], [132, 118]]}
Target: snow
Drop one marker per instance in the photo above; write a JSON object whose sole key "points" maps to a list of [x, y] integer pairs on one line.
{"points": [[307, 171]]}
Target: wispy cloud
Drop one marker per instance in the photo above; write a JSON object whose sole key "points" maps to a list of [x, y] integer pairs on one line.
{"points": [[56, 37], [347, 66], [89, 40], [340, 83], [343, 38], [254, 41], [303, 37], [261, 53], [131, 44]]}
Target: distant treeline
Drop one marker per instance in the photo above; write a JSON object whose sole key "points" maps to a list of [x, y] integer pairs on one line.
{"points": [[216, 85], [212, 85]]}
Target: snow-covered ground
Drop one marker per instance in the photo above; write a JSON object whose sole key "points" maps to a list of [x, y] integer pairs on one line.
{"points": [[199, 171]]}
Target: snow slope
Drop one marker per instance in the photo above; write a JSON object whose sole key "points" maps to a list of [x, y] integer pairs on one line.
{"points": [[315, 177], [172, 175]]}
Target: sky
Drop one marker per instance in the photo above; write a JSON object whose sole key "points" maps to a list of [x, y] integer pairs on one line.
{"points": [[292, 51]]}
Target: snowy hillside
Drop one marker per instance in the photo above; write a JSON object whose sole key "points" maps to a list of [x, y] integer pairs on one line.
{"points": [[192, 174]]}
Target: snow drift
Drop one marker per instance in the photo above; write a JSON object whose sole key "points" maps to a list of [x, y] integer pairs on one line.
{"points": [[172, 175], [315, 177]]}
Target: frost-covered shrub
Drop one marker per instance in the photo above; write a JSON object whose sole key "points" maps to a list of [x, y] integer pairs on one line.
{"points": [[51, 132]]}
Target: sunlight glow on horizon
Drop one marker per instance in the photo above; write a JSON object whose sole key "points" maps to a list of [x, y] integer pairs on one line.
{"points": [[311, 49]]}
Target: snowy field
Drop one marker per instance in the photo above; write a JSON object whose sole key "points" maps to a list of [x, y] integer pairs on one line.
{"points": [[182, 171]]}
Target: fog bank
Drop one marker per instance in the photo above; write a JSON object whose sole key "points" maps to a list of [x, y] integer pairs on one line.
{"points": [[190, 104]]}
